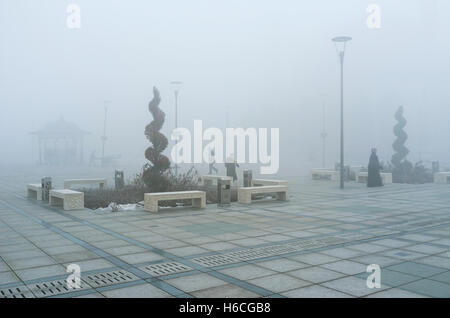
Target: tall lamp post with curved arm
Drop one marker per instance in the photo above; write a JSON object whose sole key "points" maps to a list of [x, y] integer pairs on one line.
{"points": [[340, 42]]}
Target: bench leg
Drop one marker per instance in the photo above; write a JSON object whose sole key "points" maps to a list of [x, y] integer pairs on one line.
{"points": [[73, 203], [151, 205], [33, 194], [199, 203], [282, 196], [244, 197]]}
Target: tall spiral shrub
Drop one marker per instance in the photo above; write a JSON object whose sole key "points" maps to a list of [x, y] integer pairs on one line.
{"points": [[402, 168], [153, 174]]}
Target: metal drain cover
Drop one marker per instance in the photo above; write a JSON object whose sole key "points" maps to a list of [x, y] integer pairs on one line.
{"points": [[215, 260], [53, 288], [109, 278], [16, 292], [165, 268]]}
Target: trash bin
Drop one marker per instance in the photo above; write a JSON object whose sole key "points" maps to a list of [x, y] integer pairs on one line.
{"points": [[46, 183], [119, 179], [223, 192], [247, 178]]}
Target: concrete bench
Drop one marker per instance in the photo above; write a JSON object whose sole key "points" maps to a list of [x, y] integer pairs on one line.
{"points": [[68, 199], [151, 199], [209, 179], [245, 194], [35, 191], [386, 177], [325, 174], [441, 177], [265, 182], [69, 182]]}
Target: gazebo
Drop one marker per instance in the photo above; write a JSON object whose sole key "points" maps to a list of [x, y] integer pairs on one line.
{"points": [[60, 143]]}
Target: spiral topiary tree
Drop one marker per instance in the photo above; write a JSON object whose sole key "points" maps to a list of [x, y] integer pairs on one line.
{"points": [[401, 167], [154, 175]]}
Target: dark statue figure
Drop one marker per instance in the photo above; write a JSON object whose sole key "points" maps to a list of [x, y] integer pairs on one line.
{"points": [[374, 176], [230, 166], [154, 173]]}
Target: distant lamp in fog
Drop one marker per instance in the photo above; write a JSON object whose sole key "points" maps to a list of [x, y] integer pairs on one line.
{"points": [[176, 88], [340, 43]]}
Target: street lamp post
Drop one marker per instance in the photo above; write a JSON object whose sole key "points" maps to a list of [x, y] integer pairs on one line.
{"points": [[176, 86], [340, 43]]}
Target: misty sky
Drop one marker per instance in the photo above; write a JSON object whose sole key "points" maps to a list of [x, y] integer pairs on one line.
{"points": [[266, 63]]}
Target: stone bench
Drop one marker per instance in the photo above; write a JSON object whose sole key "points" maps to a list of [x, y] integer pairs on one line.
{"points": [[69, 182], [441, 177], [265, 182], [245, 194], [151, 199], [325, 174], [68, 199], [386, 177], [209, 179], [35, 191]]}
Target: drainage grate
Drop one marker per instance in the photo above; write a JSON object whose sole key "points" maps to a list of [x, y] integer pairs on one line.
{"points": [[16, 292], [109, 278], [53, 288], [215, 260], [165, 268]]}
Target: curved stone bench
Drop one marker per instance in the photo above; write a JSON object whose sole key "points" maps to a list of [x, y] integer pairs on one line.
{"points": [[151, 199]]}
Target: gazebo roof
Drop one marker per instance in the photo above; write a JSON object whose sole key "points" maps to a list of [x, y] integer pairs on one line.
{"points": [[60, 128]]}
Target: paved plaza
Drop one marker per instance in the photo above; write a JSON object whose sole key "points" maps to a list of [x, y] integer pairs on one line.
{"points": [[317, 244]]}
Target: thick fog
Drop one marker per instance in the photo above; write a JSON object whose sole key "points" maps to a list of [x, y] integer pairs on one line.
{"points": [[255, 63]]}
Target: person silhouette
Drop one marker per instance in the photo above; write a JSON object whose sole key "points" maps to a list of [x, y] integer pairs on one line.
{"points": [[212, 161], [231, 165], [374, 176]]}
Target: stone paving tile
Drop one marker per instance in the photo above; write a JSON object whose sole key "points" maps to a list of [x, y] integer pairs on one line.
{"points": [[278, 283], [428, 287], [314, 258], [140, 257], [342, 253], [247, 272], [195, 282], [91, 265], [282, 265], [316, 274], [346, 267], [39, 272], [435, 261], [426, 249], [315, 291], [139, 291], [74, 256], [417, 269], [186, 251], [378, 259], [8, 277], [224, 291], [30, 262], [395, 293], [352, 285], [443, 277]]}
